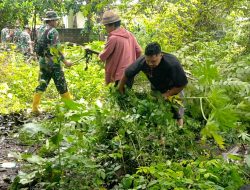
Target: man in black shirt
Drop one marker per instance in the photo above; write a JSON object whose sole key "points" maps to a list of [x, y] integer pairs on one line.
{"points": [[164, 72]]}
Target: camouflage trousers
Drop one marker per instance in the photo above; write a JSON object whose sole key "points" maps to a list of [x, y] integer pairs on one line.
{"points": [[48, 72]]}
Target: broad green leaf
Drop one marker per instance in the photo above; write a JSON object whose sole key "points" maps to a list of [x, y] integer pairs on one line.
{"points": [[35, 159], [34, 128], [244, 136], [248, 160], [27, 178], [234, 157], [56, 139], [127, 182]]}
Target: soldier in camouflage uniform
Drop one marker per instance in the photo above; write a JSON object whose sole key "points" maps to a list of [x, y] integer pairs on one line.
{"points": [[49, 61], [24, 43], [16, 33], [4, 36]]}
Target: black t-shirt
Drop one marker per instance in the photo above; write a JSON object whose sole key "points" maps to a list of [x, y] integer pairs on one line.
{"points": [[168, 74]]}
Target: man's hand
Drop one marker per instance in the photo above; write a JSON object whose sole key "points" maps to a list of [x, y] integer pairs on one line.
{"points": [[121, 86], [67, 63], [166, 95], [121, 89]]}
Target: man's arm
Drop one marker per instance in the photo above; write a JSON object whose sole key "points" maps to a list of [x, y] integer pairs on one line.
{"points": [[172, 92], [108, 50], [122, 83], [130, 73], [54, 38], [67, 63]]}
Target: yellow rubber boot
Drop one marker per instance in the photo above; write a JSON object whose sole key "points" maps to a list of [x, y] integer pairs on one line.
{"points": [[36, 102], [66, 96]]}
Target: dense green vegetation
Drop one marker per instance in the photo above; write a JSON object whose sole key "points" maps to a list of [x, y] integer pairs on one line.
{"points": [[104, 140]]}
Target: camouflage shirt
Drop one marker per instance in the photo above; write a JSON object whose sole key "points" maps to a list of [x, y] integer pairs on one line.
{"points": [[53, 48], [17, 35], [4, 34], [23, 43]]}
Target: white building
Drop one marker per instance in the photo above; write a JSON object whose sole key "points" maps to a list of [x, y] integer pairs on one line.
{"points": [[74, 21]]}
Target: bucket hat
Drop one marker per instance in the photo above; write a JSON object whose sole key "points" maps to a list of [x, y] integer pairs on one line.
{"points": [[110, 17], [51, 15]]}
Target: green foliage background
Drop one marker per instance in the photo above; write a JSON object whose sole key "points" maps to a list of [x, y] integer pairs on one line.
{"points": [[106, 141]]}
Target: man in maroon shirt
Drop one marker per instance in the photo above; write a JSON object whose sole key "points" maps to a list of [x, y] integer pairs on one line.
{"points": [[121, 48], [164, 72]]}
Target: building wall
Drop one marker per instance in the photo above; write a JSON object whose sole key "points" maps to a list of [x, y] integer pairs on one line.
{"points": [[71, 35]]}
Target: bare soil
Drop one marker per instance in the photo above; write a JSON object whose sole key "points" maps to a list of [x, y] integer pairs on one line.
{"points": [[10, 124]]}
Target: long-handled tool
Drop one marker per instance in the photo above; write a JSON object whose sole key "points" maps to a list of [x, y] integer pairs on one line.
{"points": [[87, 56]]}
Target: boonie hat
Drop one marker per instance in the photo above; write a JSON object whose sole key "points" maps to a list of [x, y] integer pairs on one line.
{"points": [[17, 24], [110, 17], [27, 27], [51, 15]]}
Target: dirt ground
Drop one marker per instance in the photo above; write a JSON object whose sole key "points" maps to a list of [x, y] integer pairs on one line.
{"points": [[9, 167], [9, 127]]}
